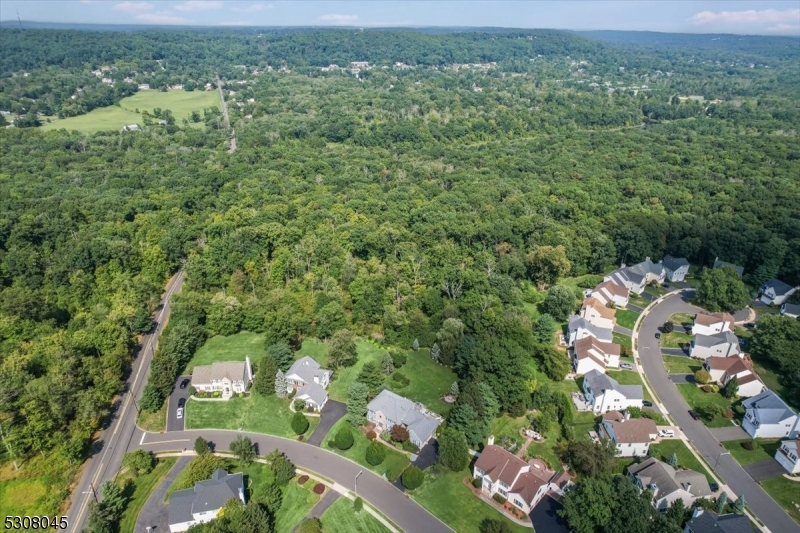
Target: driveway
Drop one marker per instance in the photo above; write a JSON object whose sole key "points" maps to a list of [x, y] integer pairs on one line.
{"points": [[740, 482], [427, 455], [178, 394], [544, 517], [682, 378], [330, 414], [634, 308], [624, 331], [729, 433], [154, 512], [674, 351], [766, 469]]}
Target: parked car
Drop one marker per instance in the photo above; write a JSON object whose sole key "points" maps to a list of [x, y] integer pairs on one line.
{"points": [[626, 366], [666, 286], [694, 414], [181, 402], [184, 383], [646, 403], [658, 335], [713, 486], [179, 413], [666, 433]]}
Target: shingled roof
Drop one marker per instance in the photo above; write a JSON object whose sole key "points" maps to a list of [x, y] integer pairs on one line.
{"points": [[630, 430], [704, 318]]}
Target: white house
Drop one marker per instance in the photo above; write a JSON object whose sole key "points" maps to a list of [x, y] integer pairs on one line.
{"points": [[722, 264], [788, 455], [590, 354], [635, 278], [388, 409], [723, 344], [667, 484], [310, 381], [144, 86], [632, 436], [225, 377], [767, 416], [790, 310], [524, 484], [204, 502], [579, 328], [609, 291], [677, 267], [723, 369], [598, 314], [775, 292], [605, 394], [706, 323]]}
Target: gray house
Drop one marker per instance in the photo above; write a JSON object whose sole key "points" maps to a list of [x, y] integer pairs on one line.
{"points": [[635, 278], [668, 484], [388, 410], [203, 503], [790, 310], [677, 267], [722, 344], [310, 381], [579, 328], [704, 521], [768, 416], [720, 264], [775, 292]]}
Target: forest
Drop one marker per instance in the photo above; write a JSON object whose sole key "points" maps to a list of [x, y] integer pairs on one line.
{"points": [[431, 203]]}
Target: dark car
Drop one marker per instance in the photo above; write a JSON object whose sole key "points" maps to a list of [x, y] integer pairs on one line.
{"points": [[694, 414], [647, 404], [184, 383], [713, 486], [666, 286], [181, 402], [658, 335]]}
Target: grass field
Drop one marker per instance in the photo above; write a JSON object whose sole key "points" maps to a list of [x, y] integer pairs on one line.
{"points": [[344, 377], [231, 348], [639, 301], [686, 459], [446, 496], [181, 103], [392, 466], [681, 365], [39, 487], [622, 340], [297, 502], [626, 318], [697, 398], [684, 319], [142, 487], [341, 518], [155, 422], [766, 450], [429, 381], [675, 339], [786, 492]]}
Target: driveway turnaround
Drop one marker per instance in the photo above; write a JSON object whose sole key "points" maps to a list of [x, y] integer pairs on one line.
{"points": [[427, 455], [740, 482], [330, 414], [173, 422], [766, 469], [403, 511], [154, 512]]}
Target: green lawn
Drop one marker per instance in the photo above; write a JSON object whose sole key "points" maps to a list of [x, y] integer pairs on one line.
{"points": [[262, 414], [629, 377], [623, 340], [341, 518], [639, 301], [430, 381], [626, 318], [657, 291], [763, 310], [142, 487], [344, 377], [181, 103], [766, 450], [696, 398], [392, 466], [155, 422], [684, 319], [681, 365], [297, 502], [587, 279], [446, 496], [315, 349], [770, 375], [39, 487], [686, 459], [786, 492], [231, 348], [675, 339]]}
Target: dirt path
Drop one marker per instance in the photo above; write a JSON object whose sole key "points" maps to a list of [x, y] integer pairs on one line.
{"points": [[225, 117]]}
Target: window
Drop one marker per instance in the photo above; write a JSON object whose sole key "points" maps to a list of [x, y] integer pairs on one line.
{"points": [[504, 493], [518, 503]]}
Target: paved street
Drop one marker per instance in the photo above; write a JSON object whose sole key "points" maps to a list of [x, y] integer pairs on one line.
{"points": [[403, 511], [330, 414], [173, 422], [758, 501], [154, 512]]}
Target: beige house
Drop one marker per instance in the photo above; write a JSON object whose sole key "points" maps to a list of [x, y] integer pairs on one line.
{"points": [[227, 377], [632, 436], [706, 323], [597, 314]]}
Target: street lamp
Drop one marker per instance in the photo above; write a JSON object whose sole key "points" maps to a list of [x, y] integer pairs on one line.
{"points": [[718, 458], [356, 481]]}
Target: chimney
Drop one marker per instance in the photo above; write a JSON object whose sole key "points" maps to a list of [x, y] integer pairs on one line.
{"points": [[249, 368], [490, 441], [688, 487], [625, 415]]}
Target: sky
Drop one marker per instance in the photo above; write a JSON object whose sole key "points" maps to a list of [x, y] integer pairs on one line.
{"points": [[762, 17]]}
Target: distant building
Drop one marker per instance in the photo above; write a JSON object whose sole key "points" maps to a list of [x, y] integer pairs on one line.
{"points": [[609, 292], [706, 323], [635, 278], [788, 455], [705, 521], [227, 378], [720, 264], [768, 416], [144, 86], [723, 344], [604, 393], [590, 354], [310, 380], [776, 292], [130, 127], [631, 436], [790, 310], [677, 267]]}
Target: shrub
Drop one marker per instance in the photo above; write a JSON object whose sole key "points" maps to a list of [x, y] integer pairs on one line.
{"points": [[192, 391], [750, 445], [399, 433], [217, 394], [310, 525], [410, 447], [291, 394], [412, 477], [358, 504], [398, 359], [299, 423], [499, 498], [728, 413], [715, 388], [344, 438], [376, 453], [319, 488], [371, 435], [331, 443], [477, 482], [707, 388], [400, 380], [386, 436], [299, 405], [302, 479], [702, 377], [668, 327], [240, 395]]}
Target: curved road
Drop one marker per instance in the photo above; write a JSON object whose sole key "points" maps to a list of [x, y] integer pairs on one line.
{"points": [[758, 501], [399, 508]]}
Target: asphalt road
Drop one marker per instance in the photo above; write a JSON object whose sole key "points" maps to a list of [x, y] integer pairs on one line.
{"points": [[758, 501], [400, 509], [173, 423], [107, 451]]}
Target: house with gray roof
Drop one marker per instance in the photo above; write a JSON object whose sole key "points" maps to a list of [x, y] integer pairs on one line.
{"points": [[790, 310], [677, 267], [722, 344], [389, 409], [775, 292], [310, 380], [226, 377], [667, 484], [604, 393], [580, 328], [635, 278], [768, 416], [204, 502], [722, 264], [705, 521]]}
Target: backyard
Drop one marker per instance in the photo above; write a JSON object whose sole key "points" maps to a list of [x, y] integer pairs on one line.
{"points": [[697, 399], [626, 318], [623, 340], [392, 466], [340, 518], [429, 381], [231, 348], [141, 486], [766, 450], [676, 364]]}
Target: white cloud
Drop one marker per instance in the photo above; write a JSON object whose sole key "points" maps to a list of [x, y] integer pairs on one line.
{"points": [[768, 16], [134, 7], [254, 8], [334, 18], [789, 29], [198, 5], [161, 17], [235, 23]]}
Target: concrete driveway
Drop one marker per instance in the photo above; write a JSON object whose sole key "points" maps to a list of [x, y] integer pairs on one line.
{"points": [[729, 433], [634, 308], [178, 394], [331, 413], [154, 512], [624, 331], [766, 469]]}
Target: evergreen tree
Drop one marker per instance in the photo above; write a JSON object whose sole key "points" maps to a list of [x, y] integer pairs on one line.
{"points": [[454, 389], [739, 505], [388, 364], [342, 349], [673, 460], [201, 446], [722, 500], [357, 403], [264, 382], [731, 387], [453, 449], [415, 346], [376, 453], [280, 384], [242, 448], [435, 352], [299, 423], [282, 353], [282, 468]]}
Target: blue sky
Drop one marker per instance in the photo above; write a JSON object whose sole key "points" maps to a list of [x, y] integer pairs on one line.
{"points": [[738, 16]]}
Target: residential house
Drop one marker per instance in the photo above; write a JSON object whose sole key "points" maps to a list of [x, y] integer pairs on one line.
{"points": [[226, 377], [631, 436], [677, 267], [723, 369], [388, 409], [723, 344], [706, 323], [635, 278], [204, 502], [523, 484], [790, 310], [359, 64], [667, 484], [788, 455], [579, 328], [310, 381], [604, 393], [130, 127], [590, 354], [144, 86], [721, 264], [775, 292], [177, 87], [107, 81], [598, 314], [609, 292], [767, 416], [705, 521]]}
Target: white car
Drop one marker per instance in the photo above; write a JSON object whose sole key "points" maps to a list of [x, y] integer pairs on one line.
{"points": [[666, 433], [179, 413], [626, 366]]}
